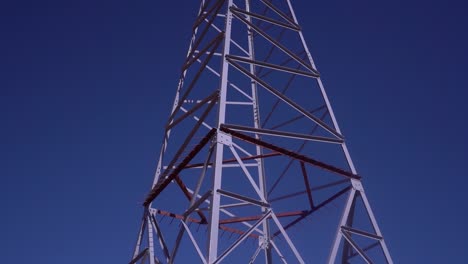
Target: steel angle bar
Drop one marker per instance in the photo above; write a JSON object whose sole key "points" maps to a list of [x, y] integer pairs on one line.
{"points": [[256, 217], [247, 174], [214, 42], [175, 249], [156, 260], [283, 259], [197, 203], [243, 198], [239, 103], [200, 121], [260, 72], [208, 99], [194, 205], [360, 232], [228, 213], [181, 217], [205, 30], [194, 242], [241, 149], [196, 118], [139, 256], [291, 154], [272, 66], [268, 155], [192, 83], [140, 235], [278, 100], [207, 53], [255, 255], [175, 107], [202, 174], [183, 147], [267, 19], [288, 239], [307, 185], [189, 196], [230, 165], [213, 230], [280, 13], [242, 238], [239, 166], [204, 14], [234, 205], [230, 83], [232, 41], [150, 241], [268, 56], [277, 133], [376, 226], [357, 248], [204, 6], [161, 239], [344, 219], [165, 181], [274, 42], [327, 101], [286, 99]]}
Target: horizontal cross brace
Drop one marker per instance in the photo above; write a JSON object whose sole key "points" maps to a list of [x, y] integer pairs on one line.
{"points": [[273, 66], [273, 154], [256, 217], [274, 42], [243, 198], [285, 99], [283, 134], [361, 233], [267, 19], [290, 153]]}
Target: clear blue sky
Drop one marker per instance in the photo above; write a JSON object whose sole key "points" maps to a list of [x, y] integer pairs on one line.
{"points": [[85, 87]]}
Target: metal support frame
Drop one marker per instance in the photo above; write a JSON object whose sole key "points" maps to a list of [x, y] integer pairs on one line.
{"points": [[225, 44]]}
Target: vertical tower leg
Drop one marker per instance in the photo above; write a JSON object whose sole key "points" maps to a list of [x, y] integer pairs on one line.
{"points": [[150, 239], [216, 198], [265, 241], [268, 48]]}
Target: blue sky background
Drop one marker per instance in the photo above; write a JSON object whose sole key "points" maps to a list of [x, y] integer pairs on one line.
{"points": [[85, 87]]}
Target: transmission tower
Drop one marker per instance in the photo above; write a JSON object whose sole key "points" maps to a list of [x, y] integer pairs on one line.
{"points": [[253, 166]]}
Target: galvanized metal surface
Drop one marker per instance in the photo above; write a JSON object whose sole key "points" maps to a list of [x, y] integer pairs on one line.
{"points": [[240, 54]]}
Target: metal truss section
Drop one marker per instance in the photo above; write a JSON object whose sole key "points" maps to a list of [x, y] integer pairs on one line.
{"points": [[253, 166]]}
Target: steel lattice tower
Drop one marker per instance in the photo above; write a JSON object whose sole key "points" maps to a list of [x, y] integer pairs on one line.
{"points": [[253, 166]]}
